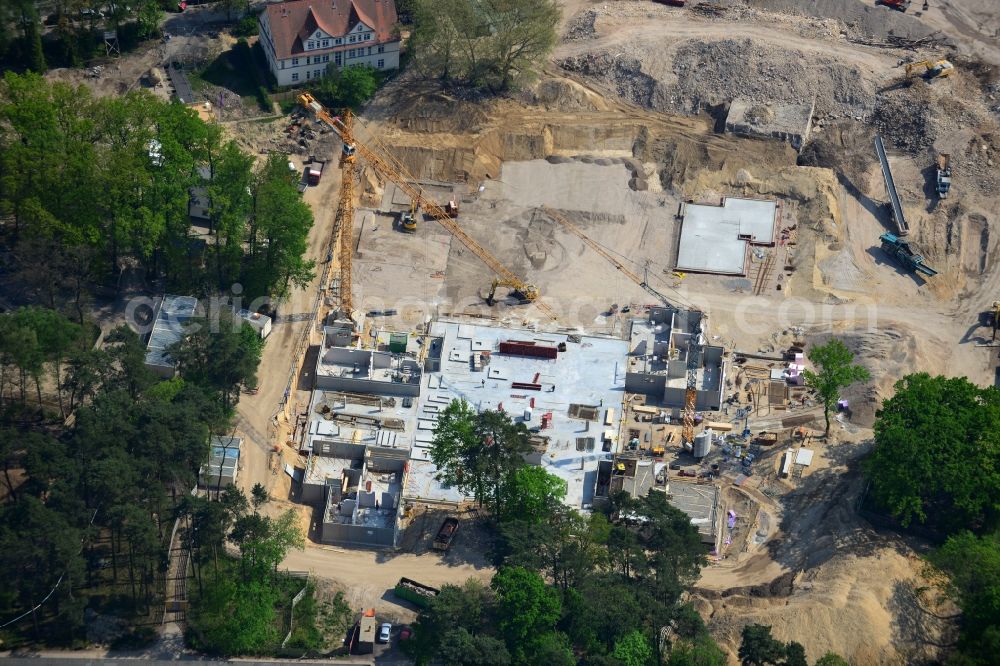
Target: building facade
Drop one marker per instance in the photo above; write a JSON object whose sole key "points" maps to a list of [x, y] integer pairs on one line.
{"points": [[303, 38]]}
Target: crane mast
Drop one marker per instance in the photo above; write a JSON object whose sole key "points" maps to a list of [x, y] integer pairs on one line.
{"points": [[395, 172]]}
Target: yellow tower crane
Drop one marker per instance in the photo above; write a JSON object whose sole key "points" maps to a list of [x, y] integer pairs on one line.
{"points": [[391, 169]]}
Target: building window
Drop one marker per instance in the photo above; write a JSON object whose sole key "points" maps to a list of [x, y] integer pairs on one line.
{"points": [[282, 64], [295, 62], [381, 49], [326, 57], [350, 53], [326, 43], [338, 41], [307, 60], [381, 63], [310, 45], [317, 73], [295, 76], [353, 39], [368, 36], [307, 74], [336, 58], [318, 34]]}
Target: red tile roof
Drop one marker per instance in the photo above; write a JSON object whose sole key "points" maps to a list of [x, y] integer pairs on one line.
{"points": [[293, 21]]}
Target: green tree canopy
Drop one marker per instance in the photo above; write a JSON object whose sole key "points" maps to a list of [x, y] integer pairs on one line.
{"points": [[759, 648], [973, 566], [479, 453], [835, 371], [633, 649], [489, 44], [937, 453]]}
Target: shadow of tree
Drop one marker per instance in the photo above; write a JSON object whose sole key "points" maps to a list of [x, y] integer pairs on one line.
{"points": [[918, 634], [819, 517]]}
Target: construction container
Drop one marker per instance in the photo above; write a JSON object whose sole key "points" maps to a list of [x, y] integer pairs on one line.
{"points": [[398, 342]]}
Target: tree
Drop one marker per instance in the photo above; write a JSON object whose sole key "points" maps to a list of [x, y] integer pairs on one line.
{"points": [[527, 610], [634, 649], [973, 567], [532, 494], [492, 44], [465, 610], [835, 372], [278, 233], [479, 453], [937, 452], [347, 86], [832, 659], [220, 360], [758, 647], [795, 655]]}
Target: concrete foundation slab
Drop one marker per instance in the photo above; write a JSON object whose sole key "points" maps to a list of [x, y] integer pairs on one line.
{"points": [[714, 239]]}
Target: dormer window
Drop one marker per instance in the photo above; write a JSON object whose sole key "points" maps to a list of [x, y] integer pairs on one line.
{"points": [[339, 41], [310, 45], [353, 38]]}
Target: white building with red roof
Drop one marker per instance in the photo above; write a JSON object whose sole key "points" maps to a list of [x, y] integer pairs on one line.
{"points": [[302, 38]]}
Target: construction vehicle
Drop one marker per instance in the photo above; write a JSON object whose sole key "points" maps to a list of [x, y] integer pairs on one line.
{"points": [[991, 318], [446, 534], [904, 254], [898, 5], [695, 342], [416, 593], [391, 169], [314, 172], [408, 219], [526, 293], [451, 208], [943, 165], [932, 69]]}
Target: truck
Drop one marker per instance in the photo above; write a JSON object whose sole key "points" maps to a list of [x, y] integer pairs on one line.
{"points": [[943, 175], [446, 534], [414, 592], [314, 171]]}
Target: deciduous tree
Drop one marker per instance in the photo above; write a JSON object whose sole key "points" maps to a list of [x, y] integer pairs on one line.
{"points": [[835, 371]]}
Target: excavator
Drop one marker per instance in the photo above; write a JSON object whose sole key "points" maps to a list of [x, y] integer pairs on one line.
{"points": [[391, 169], [408, 219], [932, 69], [525, 292], [991, 318]]}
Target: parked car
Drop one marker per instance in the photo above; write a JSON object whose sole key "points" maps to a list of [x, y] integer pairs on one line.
{"points": [[384, 632]]}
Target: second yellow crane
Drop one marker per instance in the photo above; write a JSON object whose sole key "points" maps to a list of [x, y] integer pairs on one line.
{"points": [[392, 170]]}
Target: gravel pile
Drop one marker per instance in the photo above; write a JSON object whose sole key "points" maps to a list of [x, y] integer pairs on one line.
{"points": [[706, 74], [581, 26]]}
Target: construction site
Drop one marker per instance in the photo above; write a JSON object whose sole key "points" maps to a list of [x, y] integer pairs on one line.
{"points": [[632, 256]]}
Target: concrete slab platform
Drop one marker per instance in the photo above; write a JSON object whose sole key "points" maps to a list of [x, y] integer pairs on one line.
{"points": [[714, 239]]}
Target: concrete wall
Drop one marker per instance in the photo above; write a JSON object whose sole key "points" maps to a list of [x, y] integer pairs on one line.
{"points": [[358, 536], [637, 382], [351, 385]]}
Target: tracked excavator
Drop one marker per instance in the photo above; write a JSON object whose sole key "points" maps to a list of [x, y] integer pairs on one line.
{"points": [[932, 69]]}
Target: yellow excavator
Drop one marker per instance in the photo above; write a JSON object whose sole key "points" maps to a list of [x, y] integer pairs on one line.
{"points": [[932, 69], [408, 220], [526, 292]]}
